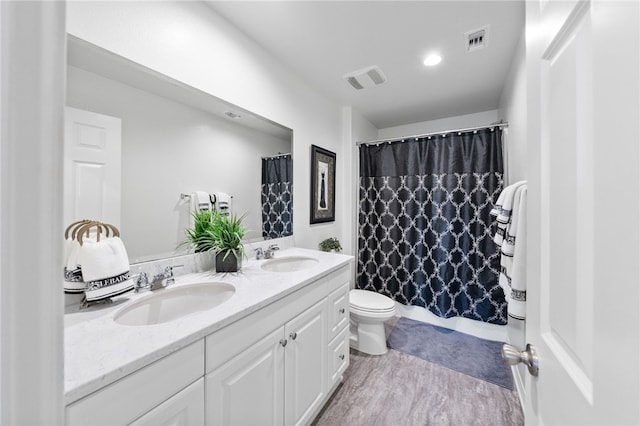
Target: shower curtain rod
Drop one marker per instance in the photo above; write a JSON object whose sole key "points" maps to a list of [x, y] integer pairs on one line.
{"points": [[442, 132], [275, 156]]}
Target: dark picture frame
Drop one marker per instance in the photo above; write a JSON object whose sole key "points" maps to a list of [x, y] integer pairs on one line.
{"points": [[323, 185]]}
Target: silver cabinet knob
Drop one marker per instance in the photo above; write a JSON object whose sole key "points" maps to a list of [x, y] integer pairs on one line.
{"points": [[512, 356], [341, 357], [341, 310], [293, 335], [283, 342]]}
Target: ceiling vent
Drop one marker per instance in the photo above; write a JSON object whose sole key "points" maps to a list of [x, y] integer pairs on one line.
{"points": [[366, 77], [476, 39]]}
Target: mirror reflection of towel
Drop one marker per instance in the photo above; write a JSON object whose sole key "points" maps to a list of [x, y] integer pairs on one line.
{"points": [[202, 201], [224, 202]]}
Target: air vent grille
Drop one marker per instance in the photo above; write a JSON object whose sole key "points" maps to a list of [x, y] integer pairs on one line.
{"points": [[367, 77], [354, 82], [476, 39]]}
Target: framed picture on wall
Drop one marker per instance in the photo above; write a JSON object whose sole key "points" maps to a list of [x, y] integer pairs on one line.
{"points": [[323, 185]]}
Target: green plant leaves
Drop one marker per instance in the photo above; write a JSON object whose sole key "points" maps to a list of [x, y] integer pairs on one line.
{"points": [[214, 231]]}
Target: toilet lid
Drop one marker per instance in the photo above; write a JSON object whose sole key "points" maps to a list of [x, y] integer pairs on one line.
{"points": [[370, 301]]}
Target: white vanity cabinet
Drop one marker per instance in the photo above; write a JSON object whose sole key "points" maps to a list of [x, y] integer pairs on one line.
{"points": [[144, 391], [275, 366]]}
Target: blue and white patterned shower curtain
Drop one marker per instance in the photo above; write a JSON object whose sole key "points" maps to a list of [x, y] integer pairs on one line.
{"points": [[277, 200], [425, 232]]}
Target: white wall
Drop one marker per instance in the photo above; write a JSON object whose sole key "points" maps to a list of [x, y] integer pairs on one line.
{"points": [[513, 108], [356, 128], [482, 118], [169, 148], [189, 42]]}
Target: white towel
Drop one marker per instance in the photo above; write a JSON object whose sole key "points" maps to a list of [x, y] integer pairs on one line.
{"points": [[103, 259], [202, 201], [518, 297], [502, 210], [510, 233], [224, 202], [73, 282]]}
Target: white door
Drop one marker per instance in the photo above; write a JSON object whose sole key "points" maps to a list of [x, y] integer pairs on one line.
{"points": [[306, 364], [248, 390], [92, 167], [583, 211]]}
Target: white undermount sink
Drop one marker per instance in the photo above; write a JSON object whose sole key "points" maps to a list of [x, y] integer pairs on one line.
{"points": [[289, 264], [172, 303]]}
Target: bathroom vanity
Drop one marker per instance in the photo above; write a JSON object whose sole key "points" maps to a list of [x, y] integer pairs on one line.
{"points": [[272, 353]]}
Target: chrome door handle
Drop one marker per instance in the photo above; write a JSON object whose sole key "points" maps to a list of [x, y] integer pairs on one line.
{"points": [[512, 356], [283, 342], [293, 335]]}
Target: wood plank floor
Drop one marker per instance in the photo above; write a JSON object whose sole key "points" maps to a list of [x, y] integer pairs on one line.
{"points": [[397, 389]]}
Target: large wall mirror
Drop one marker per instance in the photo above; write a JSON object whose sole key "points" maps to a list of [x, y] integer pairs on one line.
{"points": [[177, 140]]}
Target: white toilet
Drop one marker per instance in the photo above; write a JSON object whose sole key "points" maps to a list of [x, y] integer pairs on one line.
{"points": [[369, 311]]}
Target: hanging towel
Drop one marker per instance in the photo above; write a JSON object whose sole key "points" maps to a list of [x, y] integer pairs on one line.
{"points": [[105, 268], [224, 202], [202, 201], [502, 210], [510, 232], [518, 297]]}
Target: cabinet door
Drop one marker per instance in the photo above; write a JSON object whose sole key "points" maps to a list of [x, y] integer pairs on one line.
{"points": [[248, 390], [306, 364], [338, 310], [338, 356], [183, 409]]}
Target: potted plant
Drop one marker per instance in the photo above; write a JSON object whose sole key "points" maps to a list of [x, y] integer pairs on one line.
{"points": [[227, 232], [331, 245], [220, 234]]}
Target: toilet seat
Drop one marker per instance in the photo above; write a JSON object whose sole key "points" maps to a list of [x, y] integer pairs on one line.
{"points": [[370, 302]]}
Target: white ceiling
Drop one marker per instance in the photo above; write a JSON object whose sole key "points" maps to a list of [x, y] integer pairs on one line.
{"points": [[324, 40]]}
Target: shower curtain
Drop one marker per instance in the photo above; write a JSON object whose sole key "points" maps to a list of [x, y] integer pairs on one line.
{"points": [[276, 198], [425, 232]]}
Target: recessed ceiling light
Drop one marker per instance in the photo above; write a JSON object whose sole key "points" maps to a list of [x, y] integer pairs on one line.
{"points": [[433, 59]]}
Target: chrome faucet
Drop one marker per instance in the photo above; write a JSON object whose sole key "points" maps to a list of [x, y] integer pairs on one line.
{"points": [[269, 253], [259, 253], [158, 281], [141, 282]]}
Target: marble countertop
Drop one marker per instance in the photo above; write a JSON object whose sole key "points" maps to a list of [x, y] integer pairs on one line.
{"points": [[98, 351]]}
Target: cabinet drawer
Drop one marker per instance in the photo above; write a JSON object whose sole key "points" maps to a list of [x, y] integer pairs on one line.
{"points": [[122, 402], [338, 356], [337, 278], [183, 409], [338, 304]]}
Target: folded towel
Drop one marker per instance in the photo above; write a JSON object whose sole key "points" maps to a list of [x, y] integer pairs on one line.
{"points": [[103, 259], [72, 271]]}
